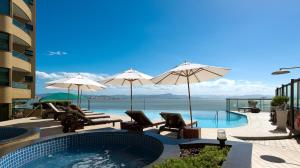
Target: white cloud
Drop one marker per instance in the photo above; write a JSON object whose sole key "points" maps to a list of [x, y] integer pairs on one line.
{"points": [[59, 75], [44, 75], [222, 86], [59, 53]]}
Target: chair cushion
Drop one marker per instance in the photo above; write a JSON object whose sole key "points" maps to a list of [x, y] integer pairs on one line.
{"points": [[173, 120], [140, 118]]}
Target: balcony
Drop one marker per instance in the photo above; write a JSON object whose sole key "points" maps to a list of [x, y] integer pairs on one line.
{"points": [[25, 27], [22, 9], [21, 56], [20, 85], [28, 2]]}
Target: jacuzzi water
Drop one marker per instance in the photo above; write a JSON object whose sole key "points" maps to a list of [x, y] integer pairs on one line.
{"points": [[108, 157], [7, 133], [206, 119], [109, 149]]}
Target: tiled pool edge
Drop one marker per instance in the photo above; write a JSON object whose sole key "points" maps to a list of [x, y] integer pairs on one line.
{"points": [[12, 144], [57, 143]]}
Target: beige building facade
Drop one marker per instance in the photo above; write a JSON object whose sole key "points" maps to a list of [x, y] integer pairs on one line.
{"points": [[17, 54]]}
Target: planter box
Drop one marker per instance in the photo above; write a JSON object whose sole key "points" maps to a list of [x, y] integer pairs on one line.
{"points": [[281, 117]]}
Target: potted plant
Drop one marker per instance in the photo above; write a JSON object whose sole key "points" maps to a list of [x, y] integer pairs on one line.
{"points": [[280, 104], [252, 103]]}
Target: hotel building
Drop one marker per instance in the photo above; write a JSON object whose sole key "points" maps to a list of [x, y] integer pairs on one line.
{"points": [[17, 54]]}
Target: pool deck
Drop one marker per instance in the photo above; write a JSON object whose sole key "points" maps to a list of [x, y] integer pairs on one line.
{"points": [[265, 153]]}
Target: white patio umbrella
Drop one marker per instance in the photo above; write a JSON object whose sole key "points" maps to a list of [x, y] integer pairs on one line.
{"points": [[187, 73], [128, 78], [78, 82]]}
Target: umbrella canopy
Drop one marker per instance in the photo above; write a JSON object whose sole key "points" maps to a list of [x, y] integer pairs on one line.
{"points": [[59, 97], [187, 73], [128, 78], [78, 82]]}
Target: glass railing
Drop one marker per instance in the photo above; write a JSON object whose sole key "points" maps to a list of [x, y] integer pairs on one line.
{"points": [[21, 26], [21, 56], [236, 104], [20, 85], [28, 2]]}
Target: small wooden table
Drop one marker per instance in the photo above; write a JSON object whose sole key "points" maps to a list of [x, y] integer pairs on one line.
{"points": [[245, 108], [190, 133]]}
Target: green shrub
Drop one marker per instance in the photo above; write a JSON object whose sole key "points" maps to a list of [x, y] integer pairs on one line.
{"points": [[279, 100], [208, 157]]}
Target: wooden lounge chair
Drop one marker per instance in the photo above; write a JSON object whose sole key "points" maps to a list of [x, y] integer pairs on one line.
{"points": [[86, 113], [61, 113], [141, 121], [89, 116], [58, 113], [174, 123], [75, 120]]}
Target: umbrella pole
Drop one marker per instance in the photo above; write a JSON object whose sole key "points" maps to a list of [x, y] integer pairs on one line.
{"points": [[68, 93], [131, 95], [77, 95], [190, 103], [80, 98]]}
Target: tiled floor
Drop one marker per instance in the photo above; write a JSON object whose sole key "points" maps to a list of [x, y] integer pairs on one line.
{"points": [[274, 157], [288, 144]]}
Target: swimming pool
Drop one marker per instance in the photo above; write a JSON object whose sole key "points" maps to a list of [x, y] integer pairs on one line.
{"points": [[206, 119]]}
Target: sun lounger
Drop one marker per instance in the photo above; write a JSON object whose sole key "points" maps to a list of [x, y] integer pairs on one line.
{"points": [[140, 121], [75, 120], [174, 123], [86, 113], [89, 116], [58, 113]]}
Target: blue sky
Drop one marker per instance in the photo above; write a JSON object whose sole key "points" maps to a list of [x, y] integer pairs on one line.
{"points": [[252, 38]]}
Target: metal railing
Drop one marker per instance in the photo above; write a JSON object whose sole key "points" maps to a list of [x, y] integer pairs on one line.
{"points": [[21, 56], [20, 85], [233, 104], [21, 26], [291, 90]]}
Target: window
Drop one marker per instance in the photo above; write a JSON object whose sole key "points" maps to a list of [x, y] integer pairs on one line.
{"points": [[4, 41], [5, 7], [4, 76], [4, 112]]}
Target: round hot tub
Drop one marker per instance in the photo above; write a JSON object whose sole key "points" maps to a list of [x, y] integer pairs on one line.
{"points": [[8, 133], [12, 138], [91, 149]]}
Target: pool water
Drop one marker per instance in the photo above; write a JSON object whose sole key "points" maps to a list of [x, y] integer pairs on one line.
{"points": [[109, 157], [206, 119]]}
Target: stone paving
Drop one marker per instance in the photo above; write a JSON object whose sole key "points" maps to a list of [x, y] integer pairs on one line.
{"points": [[274, 157], [288, 144]]}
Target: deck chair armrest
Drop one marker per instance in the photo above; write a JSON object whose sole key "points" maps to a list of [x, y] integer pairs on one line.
{"points": [[158, 123], [194, 123]]}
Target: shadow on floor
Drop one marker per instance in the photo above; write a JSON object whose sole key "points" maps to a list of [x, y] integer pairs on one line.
{"points": [[275, 159]]}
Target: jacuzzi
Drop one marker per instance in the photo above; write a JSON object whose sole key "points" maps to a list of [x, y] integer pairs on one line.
{"points": [[12, 138], [87, 149]]}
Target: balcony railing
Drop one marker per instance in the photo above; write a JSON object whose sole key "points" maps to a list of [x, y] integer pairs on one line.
{"points": [[20, 85], [233, 104], [23, 26], [28, 2], [21, 56], [291, 90]]}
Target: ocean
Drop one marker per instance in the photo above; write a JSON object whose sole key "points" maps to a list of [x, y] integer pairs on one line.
{"points": [[200, 104]]}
